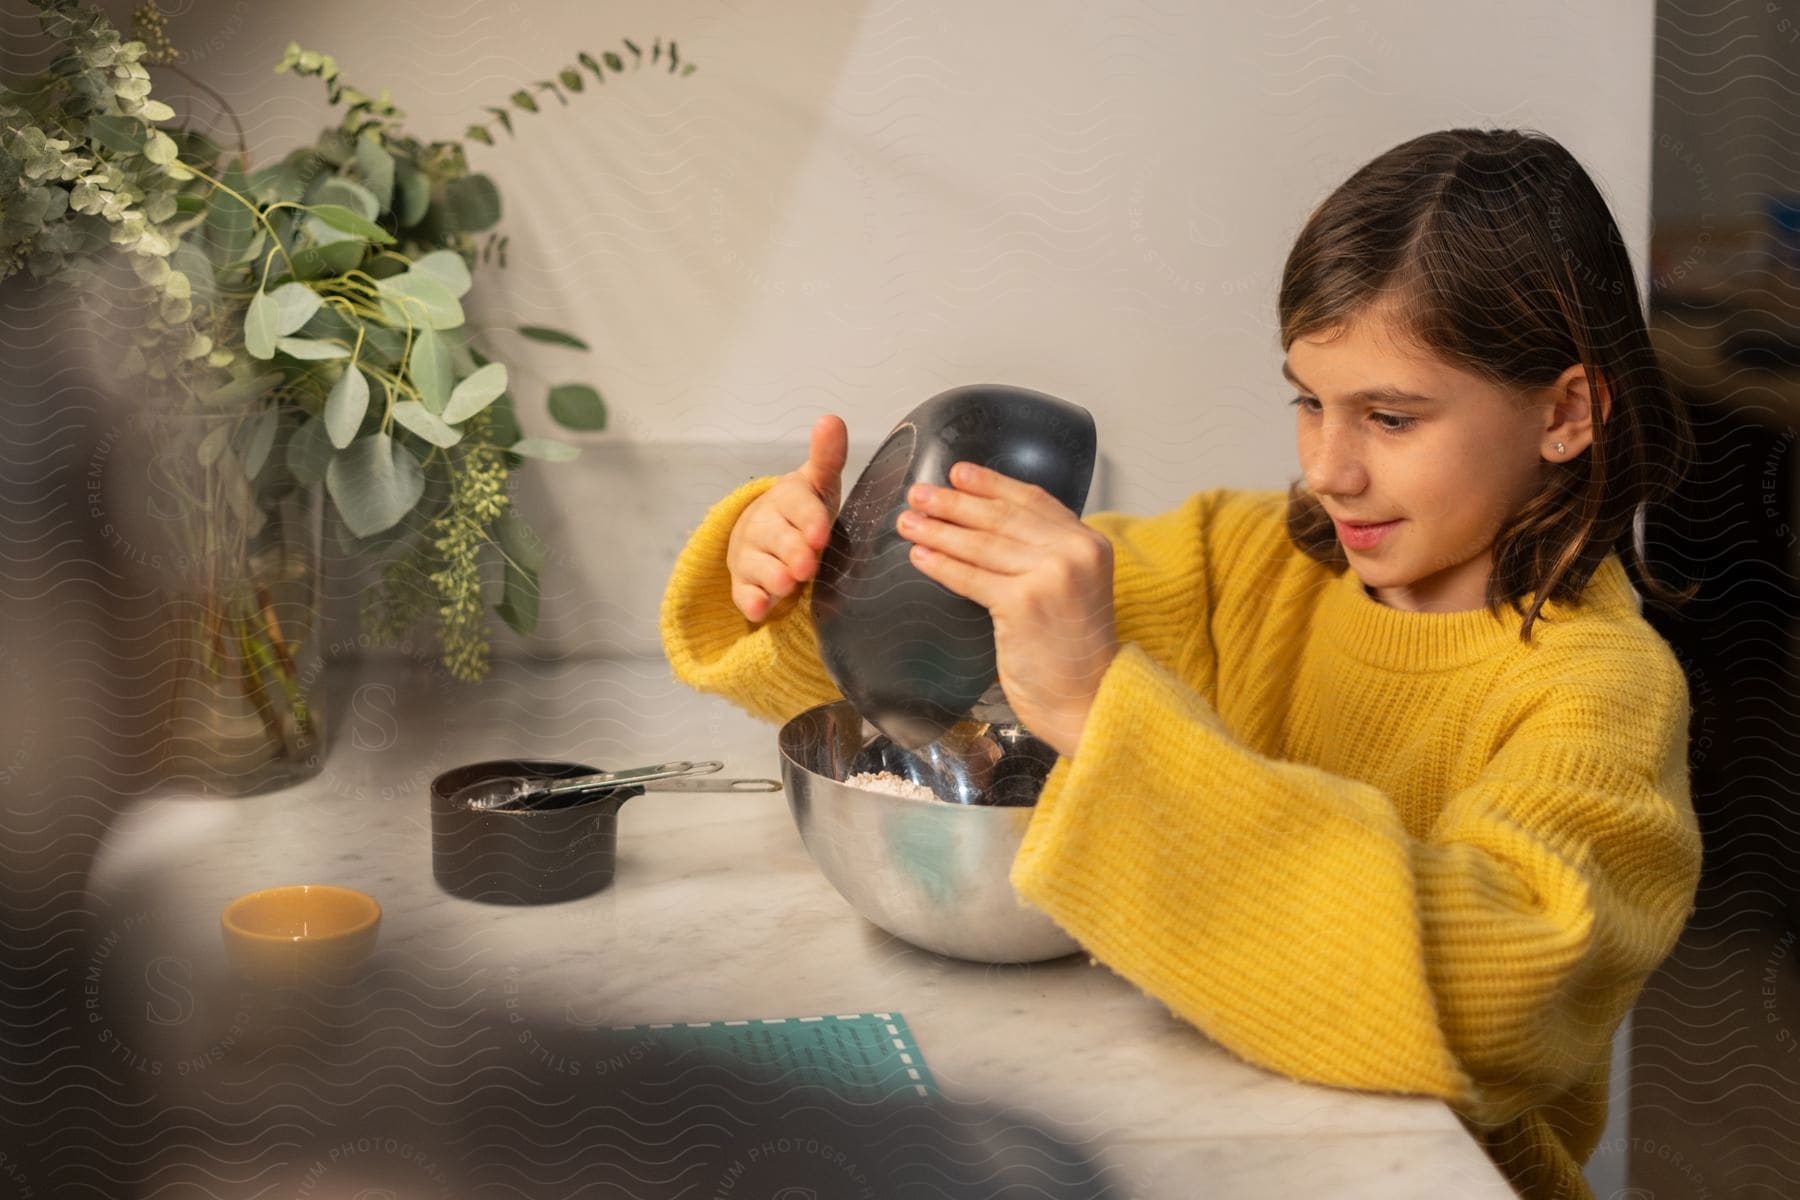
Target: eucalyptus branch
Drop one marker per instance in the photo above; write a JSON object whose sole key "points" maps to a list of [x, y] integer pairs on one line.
{"points": [[292, 369]]}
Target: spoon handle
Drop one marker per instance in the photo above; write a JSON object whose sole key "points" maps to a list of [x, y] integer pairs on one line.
{"points": [[713, 785], [625, 778], [575, 796]]}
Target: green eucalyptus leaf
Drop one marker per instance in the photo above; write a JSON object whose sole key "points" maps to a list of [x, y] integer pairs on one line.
{"points": [[160, 148], [349, 194], [571, 79], [420, 299], [324, 262], [429, 367], [522, 554], [261, 326], [425, 423], [448, 268], [383, 347], [578, 406], [386, 267], [325, 235], [256, 439], [472, 203], [341, 218], [415, 193], [519, 542], [230, 226], [523, 99], [259, 238], [295, 304], [377, 167], [334, 147], [462, 355], [330, 324], [156, 110], [475, 393], [285, 224], [518, 605], [309, 452], [287, 180], [311, 350], [547, 449], [374, 482], [345, 406], [242, 389], [552, 337], [503, 422], [119, 134], [190, 259]]}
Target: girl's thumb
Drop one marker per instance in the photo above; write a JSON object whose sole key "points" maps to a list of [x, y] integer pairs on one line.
{"points": [[825, 459]]}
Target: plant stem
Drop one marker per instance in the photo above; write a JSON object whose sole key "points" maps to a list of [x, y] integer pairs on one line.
{"points": [[249, 204], [251, 682], [266, 606]]}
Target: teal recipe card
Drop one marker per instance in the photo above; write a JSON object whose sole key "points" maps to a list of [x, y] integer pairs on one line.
{"points": [[859, 1056]]}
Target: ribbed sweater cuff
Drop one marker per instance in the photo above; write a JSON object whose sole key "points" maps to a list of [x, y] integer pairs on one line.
{"points": [[1179, 857], [771, 668], [1062, 810]]}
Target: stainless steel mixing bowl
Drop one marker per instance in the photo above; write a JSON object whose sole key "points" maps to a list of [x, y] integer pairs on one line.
{"points": [[929, 872]]}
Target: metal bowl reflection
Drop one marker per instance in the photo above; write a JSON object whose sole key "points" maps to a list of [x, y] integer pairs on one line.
{"points": [[931, 873]]}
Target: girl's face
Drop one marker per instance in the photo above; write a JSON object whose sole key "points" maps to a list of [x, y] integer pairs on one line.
{"points": [[1388, 433]]}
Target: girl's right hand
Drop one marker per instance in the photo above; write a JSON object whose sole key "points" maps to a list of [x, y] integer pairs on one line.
{"points": [[776, 542]]}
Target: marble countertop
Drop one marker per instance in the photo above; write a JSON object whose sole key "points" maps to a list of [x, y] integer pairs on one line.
{"points": [[716, 913]]}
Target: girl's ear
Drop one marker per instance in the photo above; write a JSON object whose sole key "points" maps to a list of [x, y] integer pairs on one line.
{"points": [[1571, 411]]}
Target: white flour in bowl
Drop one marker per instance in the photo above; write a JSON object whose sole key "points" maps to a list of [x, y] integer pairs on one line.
{"points": [[892, 784]]}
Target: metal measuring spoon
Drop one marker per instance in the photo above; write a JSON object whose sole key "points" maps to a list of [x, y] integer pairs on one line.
{"points": [[512, 792], [976, 762], [617, 793]]}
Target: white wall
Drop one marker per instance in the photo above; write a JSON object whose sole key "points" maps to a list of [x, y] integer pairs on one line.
{"points": [[851, 208]]}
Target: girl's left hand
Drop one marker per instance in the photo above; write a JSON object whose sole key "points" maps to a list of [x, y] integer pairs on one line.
{"points": [[1044, 577]]}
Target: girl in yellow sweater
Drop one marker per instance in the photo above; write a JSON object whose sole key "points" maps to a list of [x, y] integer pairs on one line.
{"points": [[1380, 780]]}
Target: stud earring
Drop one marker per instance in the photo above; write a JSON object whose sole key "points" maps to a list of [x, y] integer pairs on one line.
{"points": [[1557, 446]]}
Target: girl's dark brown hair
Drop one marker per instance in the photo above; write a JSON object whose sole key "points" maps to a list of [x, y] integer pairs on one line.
{"points": [[1495, 250]]}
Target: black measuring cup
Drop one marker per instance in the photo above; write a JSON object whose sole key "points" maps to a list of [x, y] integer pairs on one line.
{"points": [[525, 855]]}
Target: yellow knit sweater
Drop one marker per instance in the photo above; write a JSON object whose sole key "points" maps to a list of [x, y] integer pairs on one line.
{"points": [[1359, 846]]}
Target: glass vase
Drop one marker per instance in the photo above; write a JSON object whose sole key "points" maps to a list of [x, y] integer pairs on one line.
{"points": [[242, 613]]}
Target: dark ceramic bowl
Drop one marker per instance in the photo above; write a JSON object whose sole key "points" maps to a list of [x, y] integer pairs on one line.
{"points": [[910, 655]]}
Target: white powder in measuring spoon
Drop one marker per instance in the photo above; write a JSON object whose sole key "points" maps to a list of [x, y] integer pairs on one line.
{"points": [[892, 784]]}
